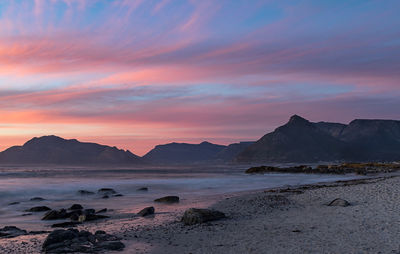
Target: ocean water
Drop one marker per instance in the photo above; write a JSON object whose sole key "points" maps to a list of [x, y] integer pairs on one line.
{"points": [[197, 186]]}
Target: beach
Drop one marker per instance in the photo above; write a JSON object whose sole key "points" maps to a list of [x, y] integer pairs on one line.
{"points": [[269, 220]]}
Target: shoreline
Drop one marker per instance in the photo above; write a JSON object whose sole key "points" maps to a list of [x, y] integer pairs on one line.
{"points": [[165, 234]]}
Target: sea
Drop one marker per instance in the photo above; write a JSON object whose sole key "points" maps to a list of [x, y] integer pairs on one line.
{"points": [[197, 186]]}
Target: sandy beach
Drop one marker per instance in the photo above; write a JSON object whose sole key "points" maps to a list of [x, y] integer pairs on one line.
{"points": [[270, 221]]}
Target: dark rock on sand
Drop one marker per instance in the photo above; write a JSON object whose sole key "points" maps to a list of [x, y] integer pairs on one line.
{"points": [[37, 199], [85, 192], [72, 240], [66, 224], [56, 215], [194, 216], [339, 202], [76, 207], [168, 199], [38, 209], [11, 231], [146, 211], [13, 203], [143, 189], [106, 191]]}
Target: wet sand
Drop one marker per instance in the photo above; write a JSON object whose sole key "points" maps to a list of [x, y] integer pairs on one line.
{"points": [[297, 221]]}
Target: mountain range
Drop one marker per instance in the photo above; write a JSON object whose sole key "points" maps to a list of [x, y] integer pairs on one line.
{"points": [[298, 141]]}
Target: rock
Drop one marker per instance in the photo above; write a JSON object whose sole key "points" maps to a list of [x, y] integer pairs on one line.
{"points": [[168, 199], [72, 240], [13, 203], [105, 196], [11, 231], [100, 232], [118, 195], [339, 202], [76, 207], [58, 236], [37, 199], [66, 224], [194, 216], [27, 214], [85, 192], [56, 215], [89, 211], [91, 217], [106, 191], [143, 189], [102, 210], [38, 209], [146, 211]]}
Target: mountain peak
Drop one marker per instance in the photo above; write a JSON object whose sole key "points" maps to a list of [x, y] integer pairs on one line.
{"points": [[297, 119]]}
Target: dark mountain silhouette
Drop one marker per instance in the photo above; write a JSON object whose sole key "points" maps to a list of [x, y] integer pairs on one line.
{"points": [[56, 150], [372, 140], [302, 141], [297, 141], [181, 153], [231, 151]]}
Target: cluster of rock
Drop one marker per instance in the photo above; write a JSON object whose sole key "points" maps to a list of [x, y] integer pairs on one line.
{"points": [[75, 213], [72, 240], [104, 192], [358, 168]]}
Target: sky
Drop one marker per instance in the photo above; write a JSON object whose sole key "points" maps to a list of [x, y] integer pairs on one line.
{"points": [[137, 73]]}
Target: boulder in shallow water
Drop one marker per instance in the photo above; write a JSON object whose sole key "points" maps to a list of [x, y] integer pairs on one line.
{"points": [[76, 207], [339, 202], [146, 211], [102, 210], [106, 191], [85, 192], [167, 199], [37, 199], [143, 189], [11, 231], [38, 209], [13, 203], [56, 215], [194, 216]]}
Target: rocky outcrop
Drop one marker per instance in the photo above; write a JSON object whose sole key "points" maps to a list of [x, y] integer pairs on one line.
{"points": [[72, 240], [38, 209], [194, 216], [167, 199]]}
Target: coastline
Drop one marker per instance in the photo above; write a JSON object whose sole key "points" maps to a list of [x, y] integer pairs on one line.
{"points": [[298, 222]]}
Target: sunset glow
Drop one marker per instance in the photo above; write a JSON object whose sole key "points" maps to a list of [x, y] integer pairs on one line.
{"points": [[134, 74]]}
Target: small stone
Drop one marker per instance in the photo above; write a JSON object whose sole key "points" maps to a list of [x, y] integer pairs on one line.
{"points": [[339, 202], [37, 199], [143, 189]]}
